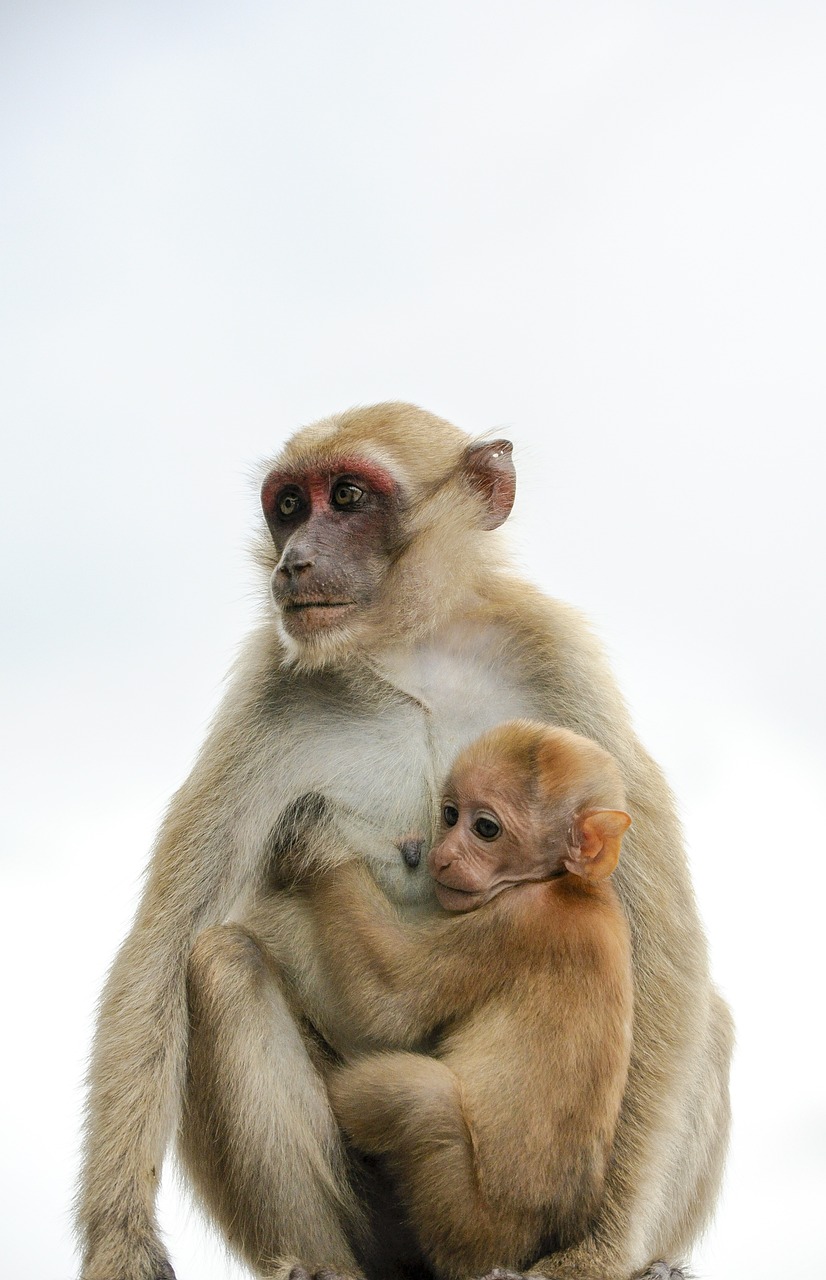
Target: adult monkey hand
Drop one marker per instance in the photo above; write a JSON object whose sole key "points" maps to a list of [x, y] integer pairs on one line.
{"points": [[397, 633]]}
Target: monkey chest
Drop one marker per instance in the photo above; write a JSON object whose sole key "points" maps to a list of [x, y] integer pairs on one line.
{"points": [[377, 746]]}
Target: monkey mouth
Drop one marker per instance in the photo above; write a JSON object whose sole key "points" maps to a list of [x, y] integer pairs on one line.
{"points": [[453, 899], [314, 615], [294, 605]]}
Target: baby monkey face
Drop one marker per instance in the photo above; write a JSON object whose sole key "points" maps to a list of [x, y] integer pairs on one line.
{"points": [[487, 839]]}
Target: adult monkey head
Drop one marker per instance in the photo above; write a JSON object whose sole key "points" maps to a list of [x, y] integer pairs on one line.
{"points": [[374, 517]]}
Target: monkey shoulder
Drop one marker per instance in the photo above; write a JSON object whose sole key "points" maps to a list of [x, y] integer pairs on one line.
{"points": [[515, 934], [562, 924], [561, 661]]}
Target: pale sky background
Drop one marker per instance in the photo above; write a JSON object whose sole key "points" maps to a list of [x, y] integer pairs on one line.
{"points": [[599, 228]]}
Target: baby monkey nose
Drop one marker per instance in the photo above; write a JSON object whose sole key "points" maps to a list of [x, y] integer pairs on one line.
{"points": [[440, 859], [411, 851]]}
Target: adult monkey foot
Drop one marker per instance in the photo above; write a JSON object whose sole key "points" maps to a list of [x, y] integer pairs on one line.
{"points": [[662, 1271], [152, 1266], [657, 1271]]}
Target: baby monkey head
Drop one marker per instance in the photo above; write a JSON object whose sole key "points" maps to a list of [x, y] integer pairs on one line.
{"points": [[526, 802]]}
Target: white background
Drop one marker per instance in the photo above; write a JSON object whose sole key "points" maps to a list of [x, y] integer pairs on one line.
{"points": [[597, 227]]}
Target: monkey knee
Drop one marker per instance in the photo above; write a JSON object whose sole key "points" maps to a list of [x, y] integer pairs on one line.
{"points": [[397, 1103], [427, 1094], [224, 962], [214, 952], [358, 1102]]}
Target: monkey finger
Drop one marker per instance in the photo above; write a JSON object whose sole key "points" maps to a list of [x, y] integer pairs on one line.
{"points": [[501, 1273], [657, 1271], [662, 1271], [323, 1273]]}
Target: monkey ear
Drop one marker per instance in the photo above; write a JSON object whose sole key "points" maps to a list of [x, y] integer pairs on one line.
{"points": [[491, 472], [597, 838]]}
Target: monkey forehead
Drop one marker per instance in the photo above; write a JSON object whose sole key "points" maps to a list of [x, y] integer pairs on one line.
{"points": [[409, 442], [556, 764], [308, 474], [489, 786]]}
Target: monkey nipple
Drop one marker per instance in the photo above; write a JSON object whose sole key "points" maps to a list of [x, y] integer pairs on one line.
{"points": [[411, 851]]}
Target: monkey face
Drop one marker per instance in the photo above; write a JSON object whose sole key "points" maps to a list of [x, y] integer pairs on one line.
{"points": [[336, 529], [487, 841], [360, 510]]}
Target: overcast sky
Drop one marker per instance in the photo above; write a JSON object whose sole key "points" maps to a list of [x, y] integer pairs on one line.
{"points": [[598, 228]]}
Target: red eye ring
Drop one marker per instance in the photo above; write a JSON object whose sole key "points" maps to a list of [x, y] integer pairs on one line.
{"points": [[288, 504], [346, 494]]}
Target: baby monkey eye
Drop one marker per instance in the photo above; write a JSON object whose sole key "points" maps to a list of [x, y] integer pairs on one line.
{"points": [[450, 814], [346, 494], [487, 828]]}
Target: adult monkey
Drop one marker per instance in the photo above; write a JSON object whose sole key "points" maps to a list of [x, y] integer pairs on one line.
{"points": [[399, 635]]}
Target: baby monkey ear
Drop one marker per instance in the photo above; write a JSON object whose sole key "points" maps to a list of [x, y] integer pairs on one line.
{"points": [[597, 836]]}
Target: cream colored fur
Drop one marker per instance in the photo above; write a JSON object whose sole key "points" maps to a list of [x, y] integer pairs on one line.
{"points": [[196, 1027]]}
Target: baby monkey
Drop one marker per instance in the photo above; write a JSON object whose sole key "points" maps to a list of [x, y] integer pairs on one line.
{"points": [[499, 1138]]}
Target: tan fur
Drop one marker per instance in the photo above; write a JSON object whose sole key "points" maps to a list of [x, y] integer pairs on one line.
{"points": [[371, 723], [503, 1139]]}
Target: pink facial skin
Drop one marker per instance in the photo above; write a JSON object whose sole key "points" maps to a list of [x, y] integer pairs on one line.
{"points": [[494, 836], [483, 848], [334, 528]]}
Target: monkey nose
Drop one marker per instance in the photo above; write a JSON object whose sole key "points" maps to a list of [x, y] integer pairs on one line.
{"points": [[439, 860], [294, 562]]}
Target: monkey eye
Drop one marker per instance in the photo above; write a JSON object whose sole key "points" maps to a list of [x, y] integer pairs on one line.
{"points": [[346, 494], [450, 814], [287, 503], [487, 828]]}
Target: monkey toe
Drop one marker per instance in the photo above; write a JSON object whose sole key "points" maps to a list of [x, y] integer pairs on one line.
{"points": [[662, 1271], [501, 1273], [657, 1271], [323, 1273]]}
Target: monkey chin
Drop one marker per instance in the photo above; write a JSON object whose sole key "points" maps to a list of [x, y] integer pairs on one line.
{"points": [[456, 900], [301, 620], [314, 638]]}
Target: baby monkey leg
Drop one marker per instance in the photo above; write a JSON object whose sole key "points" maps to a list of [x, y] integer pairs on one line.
{"points": [[409, 1109]]}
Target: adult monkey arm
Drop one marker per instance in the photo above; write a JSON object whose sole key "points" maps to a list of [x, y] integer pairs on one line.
{"points": [[213, 849], [200, 864]]}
